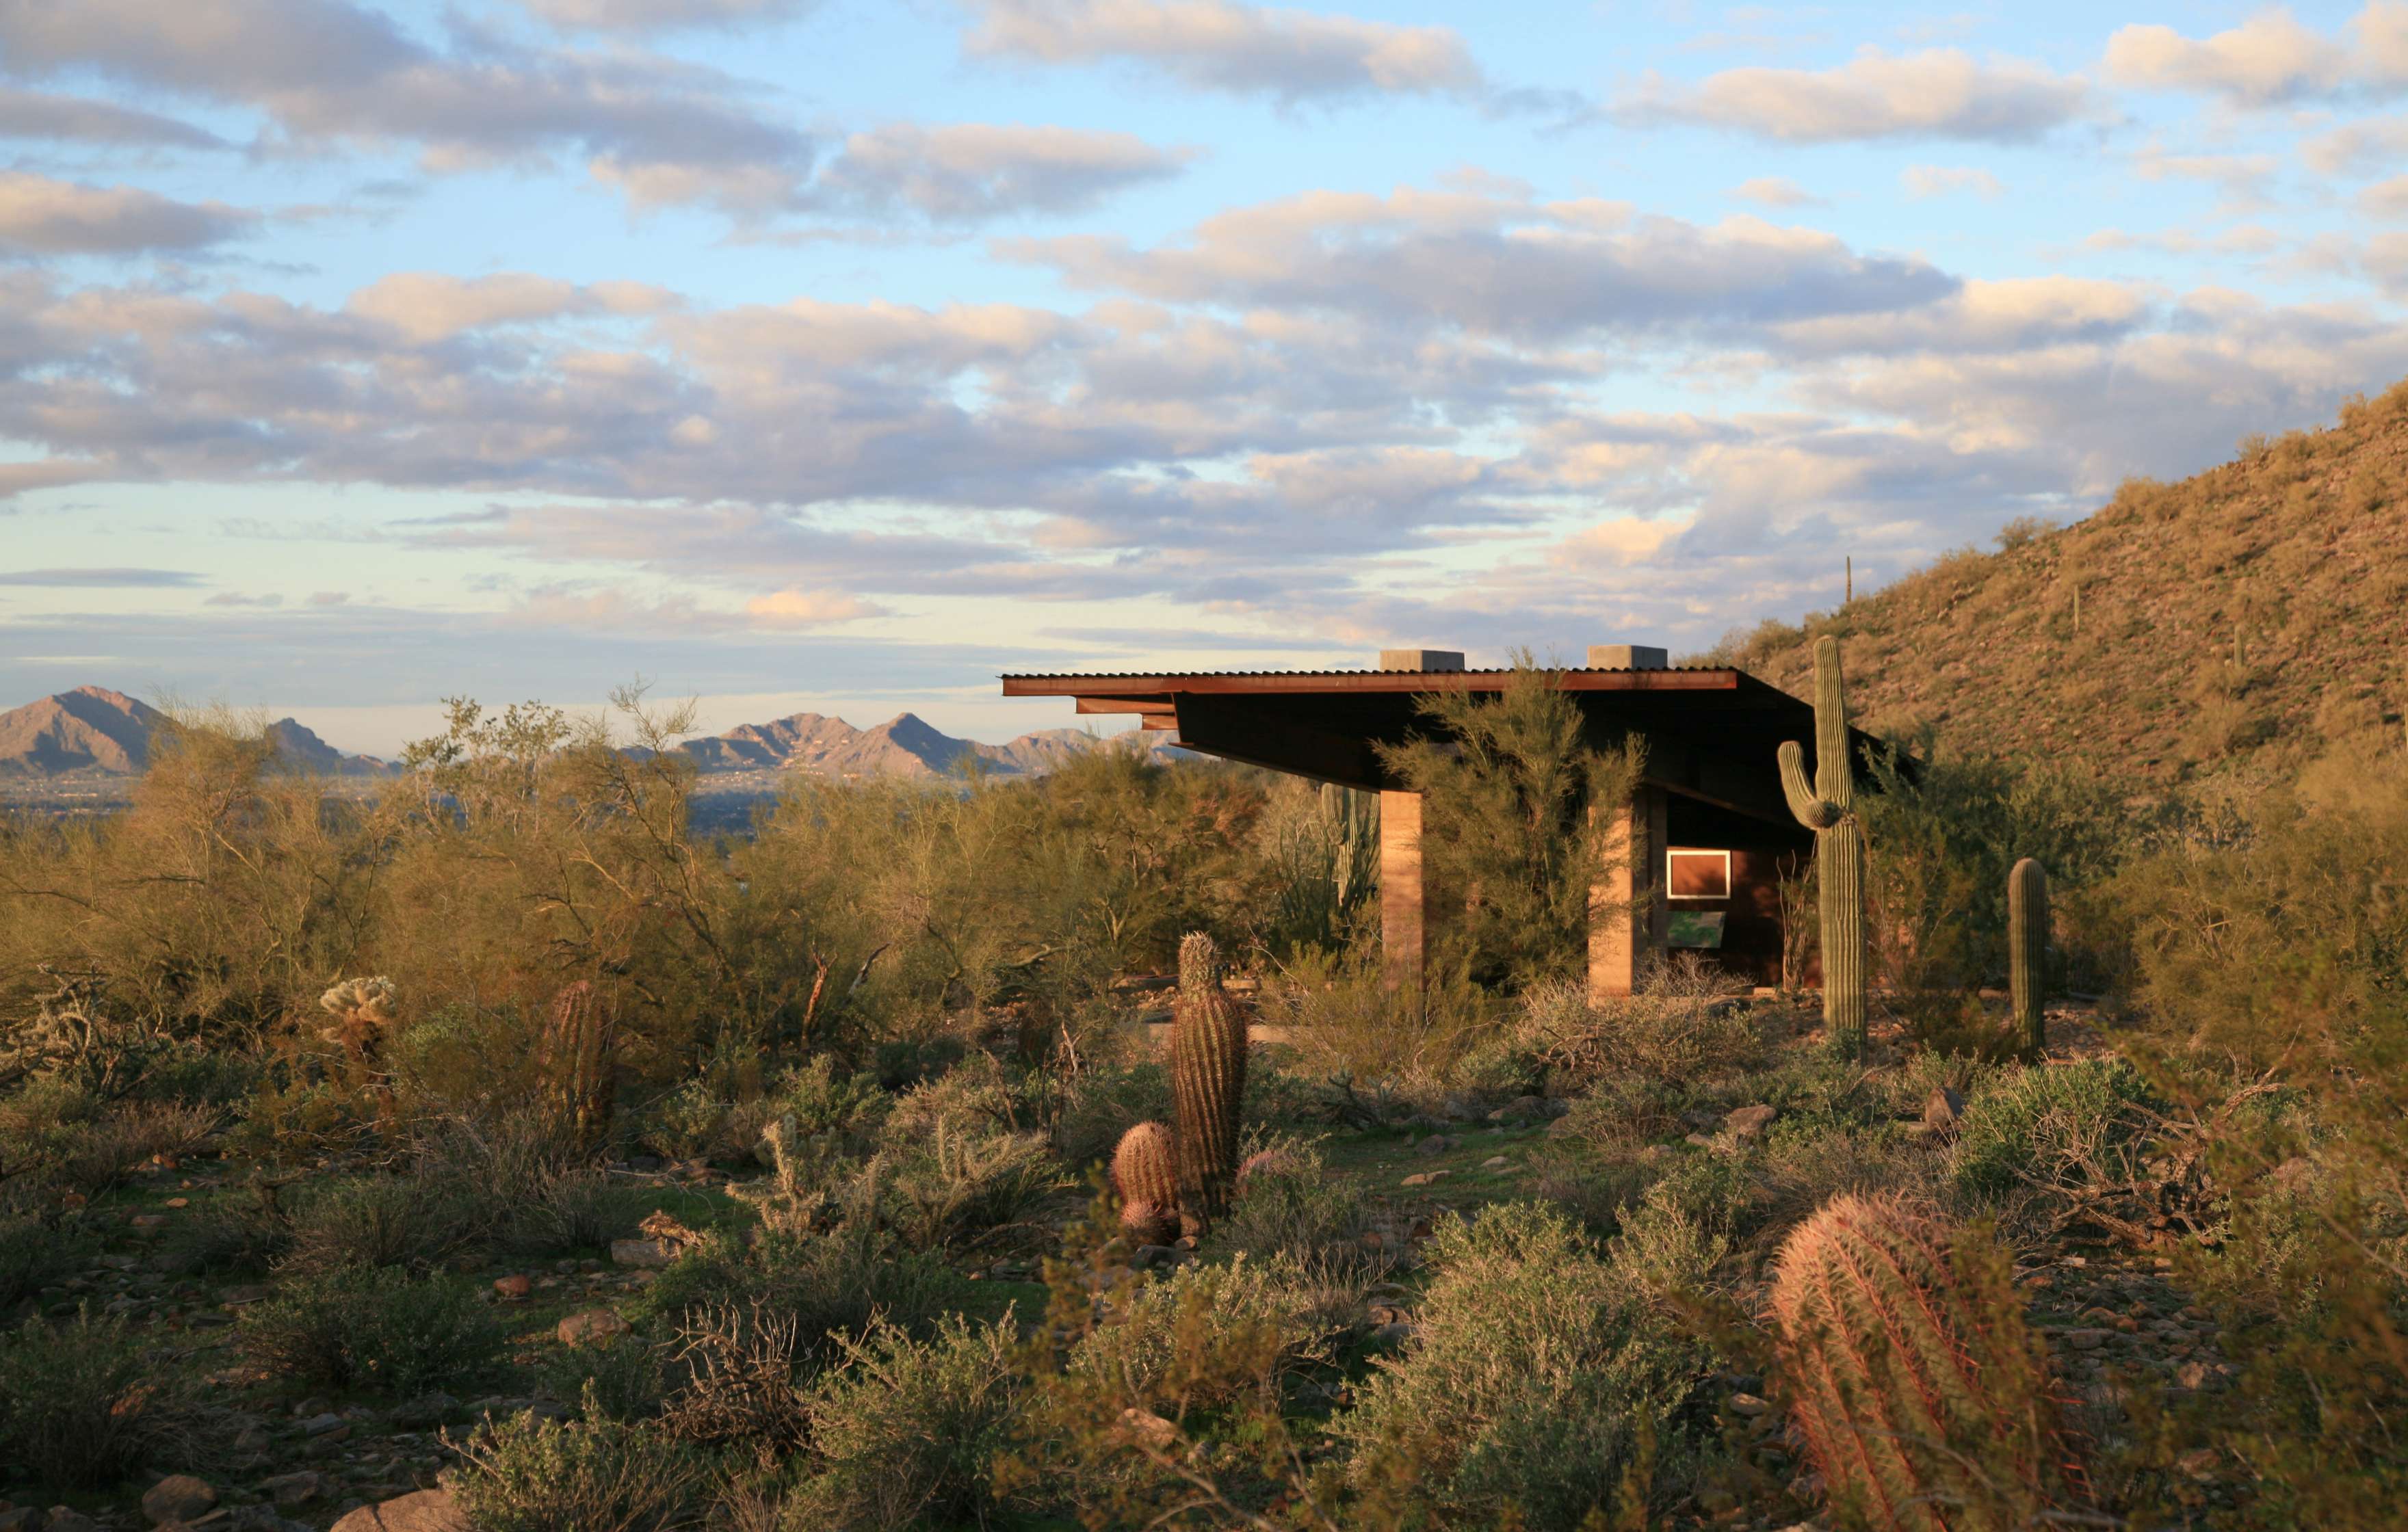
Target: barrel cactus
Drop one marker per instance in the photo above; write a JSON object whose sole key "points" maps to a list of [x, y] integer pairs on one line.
{"points": [[576, 1063], [1146, 1176], [1828, 808], [1208, 1078], [2027, 955], [1921, 1396]]}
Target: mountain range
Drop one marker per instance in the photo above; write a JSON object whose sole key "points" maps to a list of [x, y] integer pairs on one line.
{"points": [[95, 733]]}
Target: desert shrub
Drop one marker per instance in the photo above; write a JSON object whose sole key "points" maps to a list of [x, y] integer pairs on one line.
{"points": [[595, 1474], [1145, 1350], [248, 1232], [905, 1431], [464, 1061], [2051, 1127], [576, 1210], [37, 1248], [1719, 1192], [1681, 1026], [1591, 1183], [1664, 1250], [835, 1283], [1104, 1102], [419, 1221], [1808, 1160], [76, 1141], [374, 1326], [958, 1186], [81, 1405], [1535, 1380], [625, 1377], [1293, 1207]]}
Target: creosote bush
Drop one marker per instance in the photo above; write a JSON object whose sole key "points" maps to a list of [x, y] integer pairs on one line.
{"points": [[82, 1404], [375, 1328], [595, 1474]]}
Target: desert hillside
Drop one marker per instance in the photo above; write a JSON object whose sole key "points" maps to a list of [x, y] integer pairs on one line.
{"points": [[2251, 614]]}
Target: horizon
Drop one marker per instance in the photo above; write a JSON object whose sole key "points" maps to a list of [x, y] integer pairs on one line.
{"points": [[816, 355]]}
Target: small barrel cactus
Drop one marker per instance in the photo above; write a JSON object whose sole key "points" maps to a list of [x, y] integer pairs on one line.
{"points": [[1208, 1078], [577, 1063], [1922, 1397], [1146, 1175], [1827, 807], [2027, 955]]}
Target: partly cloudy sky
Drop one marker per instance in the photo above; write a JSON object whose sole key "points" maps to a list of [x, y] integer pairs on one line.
{"points": [[841, 353]]}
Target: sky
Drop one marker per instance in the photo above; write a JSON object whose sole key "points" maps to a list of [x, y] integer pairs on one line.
{"points": [[839, 354]]}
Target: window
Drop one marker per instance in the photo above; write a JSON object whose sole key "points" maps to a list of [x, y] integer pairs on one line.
{"points": [[1697, 874]]}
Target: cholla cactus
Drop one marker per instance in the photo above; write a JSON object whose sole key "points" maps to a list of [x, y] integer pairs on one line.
{"points": [[1145, 1175], [790, 1202], [1922, 1399], [577, 1063], [1828, 808], [1208, 1078], [2027, 956], [363, 1009]]}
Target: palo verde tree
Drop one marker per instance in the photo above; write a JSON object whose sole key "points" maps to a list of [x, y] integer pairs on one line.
{"points": [[1510, 850]]}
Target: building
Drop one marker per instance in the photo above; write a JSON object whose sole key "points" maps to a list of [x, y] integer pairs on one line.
{"points": [[1709, 834]]}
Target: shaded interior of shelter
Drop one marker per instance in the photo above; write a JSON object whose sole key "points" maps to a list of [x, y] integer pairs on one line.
{"points": [[1712, 783]]}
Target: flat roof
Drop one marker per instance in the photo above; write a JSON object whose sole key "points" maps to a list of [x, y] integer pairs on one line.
{"points": [[1710, 732]]}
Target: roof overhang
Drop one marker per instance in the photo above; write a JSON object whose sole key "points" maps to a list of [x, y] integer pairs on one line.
{"points": [[1710, 732]]}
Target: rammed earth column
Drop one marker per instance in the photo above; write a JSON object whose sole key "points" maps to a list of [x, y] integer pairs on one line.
{"points": [[1626, 915], [1404, 909]]}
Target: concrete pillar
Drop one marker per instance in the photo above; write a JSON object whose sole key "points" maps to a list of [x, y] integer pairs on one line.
{"points": [[1401, 908], [1628, 917], [1404, 911]]}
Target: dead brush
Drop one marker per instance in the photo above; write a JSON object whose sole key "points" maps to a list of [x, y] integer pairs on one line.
{"points": [[738, 1388]]}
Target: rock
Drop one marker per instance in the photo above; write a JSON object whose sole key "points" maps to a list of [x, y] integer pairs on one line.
{"points": [[1494, 1162], [1427, 1178], [1749, 1405], [515, 1285], [1523, 1108], [305, 1486], [236, 1297], [1150, 1256], [652, 1254], [2085, 1341], [1750, 1122], [178, 1497], [1462, 1108], [1145, 1426], [426, 1410], [21, 1518], [68, 1519], [426, 1511], [1392, 1334], [324, 1423], [1388, 1313], [1437, 1143], [591, 1326], [1942, 1111]]}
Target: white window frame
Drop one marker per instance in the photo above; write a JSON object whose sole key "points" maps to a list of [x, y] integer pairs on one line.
{"points": [[1671, 852]]}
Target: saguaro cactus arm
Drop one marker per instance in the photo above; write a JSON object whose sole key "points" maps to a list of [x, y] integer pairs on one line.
{"points": [[1811, 811]]}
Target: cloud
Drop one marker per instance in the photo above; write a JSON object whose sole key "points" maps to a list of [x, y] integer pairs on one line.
{"points": [[1289, 57], [970, 171], [1939, 94], [652, 16], [1488, 263], [109, 578], [236, 598], [808, 608], [1776, 191], [37, 114], [1622, 540], [2268, 60], [427, 305], [40, 216], [2359, 147], [2385, 198], [327, 73], [1923, 182]]}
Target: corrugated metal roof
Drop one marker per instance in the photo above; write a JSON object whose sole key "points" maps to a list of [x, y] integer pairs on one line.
{"points": [[1358, 670]]}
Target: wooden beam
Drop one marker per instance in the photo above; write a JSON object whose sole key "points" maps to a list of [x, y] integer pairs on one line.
{"points": [[1146, 706]]}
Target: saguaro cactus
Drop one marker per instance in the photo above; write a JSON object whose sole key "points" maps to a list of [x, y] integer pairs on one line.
{"points": [[1828, 808], [576, 1063], [2027, 955], [1147, 1180], [1921, 1395], [1208, 1078]]}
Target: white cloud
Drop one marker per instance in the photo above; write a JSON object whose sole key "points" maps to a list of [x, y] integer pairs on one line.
{"points": [[808, 608], [1289, 57], [1939, 94], [650, 16], [1923, 182], [2385, 198], [2268, 60], [971, 170], [40, 216], [1776, 191]]}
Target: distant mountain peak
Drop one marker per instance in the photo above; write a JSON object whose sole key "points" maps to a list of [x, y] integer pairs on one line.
{"points": [[93, 731]]}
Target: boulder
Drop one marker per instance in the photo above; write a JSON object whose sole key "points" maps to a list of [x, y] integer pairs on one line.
{"points": [[1437, 1143], [178, 1497], [1523, 1108], [515, 1285], [427, 1511], [592, 1326], [1942, 1111], [642, 1252], [1750, 1122]]}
